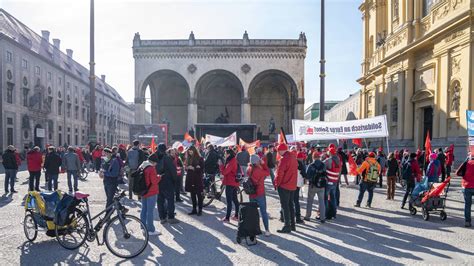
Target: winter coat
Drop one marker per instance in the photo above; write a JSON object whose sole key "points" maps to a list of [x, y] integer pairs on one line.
{"points": [[210, 164], [96, 154], [229, 171], [135, 157], [433, 171], [111, 168], [71, 161], [287, 172], [442, 159], [393, 168], [315, 167], [270, 160], [258, 174], [52, 162], [167, 170], [151, 179], [9, 160], [468, 178], [364, 168], [344, 159], [194, 182], [34, 160], [243, 158]]}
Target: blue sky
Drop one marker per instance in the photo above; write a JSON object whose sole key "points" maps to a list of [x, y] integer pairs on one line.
{"points": [[118, 20]]}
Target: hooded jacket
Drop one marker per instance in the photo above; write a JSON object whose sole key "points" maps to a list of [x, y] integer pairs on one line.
{"points": [[229, 171], [257, 174], [166, 169], [52, 162], [9, 160], [287, 172], [152, 179], [34, 160], [364, 168]]}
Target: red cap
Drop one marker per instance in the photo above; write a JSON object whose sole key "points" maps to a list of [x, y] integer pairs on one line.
{"points": [[282, 147], [181, 148], [372, 154]]}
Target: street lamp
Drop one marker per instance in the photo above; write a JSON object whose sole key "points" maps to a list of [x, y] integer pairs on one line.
{"points": [[92, 131], [322, 74]]}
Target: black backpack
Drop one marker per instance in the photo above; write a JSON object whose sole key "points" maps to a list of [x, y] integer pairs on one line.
{"points": [[249, 186], [139, 183], [320, 178], [406, 171]]}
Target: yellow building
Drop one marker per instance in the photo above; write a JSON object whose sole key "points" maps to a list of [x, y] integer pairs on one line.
{"points": [[418, 68]]}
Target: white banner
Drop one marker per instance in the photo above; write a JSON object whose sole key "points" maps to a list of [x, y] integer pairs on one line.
{"points": [[375, 127], [222, 142]]}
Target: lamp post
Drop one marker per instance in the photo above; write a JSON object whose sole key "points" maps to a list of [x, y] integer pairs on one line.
{"points": [[322, 74], [92, 131]]}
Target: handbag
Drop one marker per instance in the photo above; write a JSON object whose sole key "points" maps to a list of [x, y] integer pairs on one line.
{"points": [[249, 186]]}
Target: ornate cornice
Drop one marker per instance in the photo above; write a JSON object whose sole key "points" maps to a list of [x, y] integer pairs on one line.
{"points": [[219, 55]]}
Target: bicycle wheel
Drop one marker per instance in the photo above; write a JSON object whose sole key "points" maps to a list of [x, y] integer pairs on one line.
{"points": [[84, 174], [74, 234], [209, 195], [30, 227], [126, 238]]}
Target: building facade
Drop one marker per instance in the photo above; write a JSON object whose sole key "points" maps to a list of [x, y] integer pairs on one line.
{"points": [[348, 109], [45, 93], [312, 112], [418, 69], [220, 80]]}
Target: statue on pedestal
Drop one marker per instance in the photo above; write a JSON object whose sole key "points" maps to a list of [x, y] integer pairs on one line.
{"points": [[271, 126]]}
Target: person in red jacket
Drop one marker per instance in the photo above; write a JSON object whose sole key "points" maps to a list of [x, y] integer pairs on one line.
{"points": [[229, 171], [257, 172], [449, 159], [97, 157], [285, 183], [149, 199], [34, 161], [466, 170]]}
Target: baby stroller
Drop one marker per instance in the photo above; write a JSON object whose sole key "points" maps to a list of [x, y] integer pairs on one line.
{"points": [[40, 213], [430, 201]]}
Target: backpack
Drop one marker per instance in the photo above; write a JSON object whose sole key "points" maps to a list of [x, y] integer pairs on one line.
{"points": [[139, 183], [373, 173], [248, 185], [319, 179], [406, 171]]}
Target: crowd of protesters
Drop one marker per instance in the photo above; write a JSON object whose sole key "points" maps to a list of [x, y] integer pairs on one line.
{"points": [[172, 172]]}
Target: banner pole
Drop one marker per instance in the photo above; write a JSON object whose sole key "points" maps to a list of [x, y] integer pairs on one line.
{"points": [[388, 147]]}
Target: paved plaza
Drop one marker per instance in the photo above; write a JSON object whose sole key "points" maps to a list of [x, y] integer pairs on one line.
{"points": [[383, 235]]}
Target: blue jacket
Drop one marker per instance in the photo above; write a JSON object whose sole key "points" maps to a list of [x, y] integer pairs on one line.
{"points": [[111, 168]]}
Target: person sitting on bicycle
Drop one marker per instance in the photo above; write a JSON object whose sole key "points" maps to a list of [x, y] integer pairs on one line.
{"points": [[149, 199], [229, 171], [257, 172]]}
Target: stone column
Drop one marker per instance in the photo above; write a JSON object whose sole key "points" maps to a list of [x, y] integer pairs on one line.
{"points": [[408, 109], [417, 19], [139, 111], [441, 101], [155, 114], [299, 109], [401, 104], [192, 113], [245, 111]]}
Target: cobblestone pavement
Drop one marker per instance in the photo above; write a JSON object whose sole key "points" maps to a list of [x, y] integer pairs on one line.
{"points": [[382, 235]]}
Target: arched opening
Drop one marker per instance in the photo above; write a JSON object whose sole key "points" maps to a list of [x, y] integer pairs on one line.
{"points": [[272, 95], [219, 96], [168, 98]]}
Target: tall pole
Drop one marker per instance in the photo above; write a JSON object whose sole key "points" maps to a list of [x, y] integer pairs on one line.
{"points": [[322, 75], [92, 118]]}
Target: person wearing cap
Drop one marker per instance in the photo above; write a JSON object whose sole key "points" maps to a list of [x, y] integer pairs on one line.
{"points": [[365, 185], [72, 165], [166, 168], [194, 166], [285, 183], [11, 168], [317, 179], [34, 160], [52, 163], [135, 157], [229, 171], [110, 172], [434, 169], [257, 172], [149, 199], [333, 170], [411, 173]]}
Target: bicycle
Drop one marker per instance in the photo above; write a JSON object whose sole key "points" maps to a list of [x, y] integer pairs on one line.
{"points": [[84, 171], [213, 189], [124, 235]]}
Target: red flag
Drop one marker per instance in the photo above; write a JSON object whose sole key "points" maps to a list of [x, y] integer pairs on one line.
{"points": [[427, 146], [352, 166], [188, 137], [153, 144], [357, 142], [282, 137]]}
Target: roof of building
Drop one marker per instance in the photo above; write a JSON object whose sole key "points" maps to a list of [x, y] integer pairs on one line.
{"points": [[315, 106], [18, 32]]}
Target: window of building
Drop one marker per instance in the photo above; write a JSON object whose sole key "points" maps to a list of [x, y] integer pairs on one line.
{"points": [[83, 114], [68, 110], [60, 139], [427, 5], [9, 56], [49, 75], [68, 84], [24, 63], [9, 136], [37, 70], [10, 87], [76, 112], [9, 121], [25, 96], [395, 110], [60, 108], [60, 81]]}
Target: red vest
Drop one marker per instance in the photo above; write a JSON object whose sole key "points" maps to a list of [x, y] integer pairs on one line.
{"points": [[333, 171]]}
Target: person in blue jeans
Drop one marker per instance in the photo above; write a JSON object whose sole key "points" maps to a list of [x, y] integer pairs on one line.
{"points": [[110, 172], [466, 171], [72, 165], [149, 198], [52, 163], [257, 172], [11, 168]]}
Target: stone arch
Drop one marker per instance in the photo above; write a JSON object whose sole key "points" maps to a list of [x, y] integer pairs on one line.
{"points": [[169, 97], [219, 93], [272, 94]]}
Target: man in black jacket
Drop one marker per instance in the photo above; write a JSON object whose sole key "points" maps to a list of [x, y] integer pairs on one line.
{"points": [[442, 161], [11, 168], [52, 163], [166, 168], [211, 165]]}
